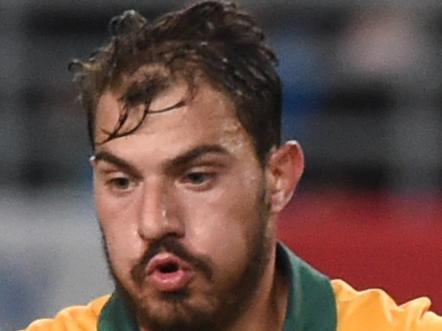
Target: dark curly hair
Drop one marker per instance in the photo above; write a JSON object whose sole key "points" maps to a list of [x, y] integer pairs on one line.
{"points": [[211, 39]]}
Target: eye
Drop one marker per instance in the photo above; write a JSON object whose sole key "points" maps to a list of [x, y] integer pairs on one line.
{"points": [[199, 179], [120, 183]]}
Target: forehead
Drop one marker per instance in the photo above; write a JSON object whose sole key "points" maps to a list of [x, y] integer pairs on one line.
{"points": [[207, 117]]}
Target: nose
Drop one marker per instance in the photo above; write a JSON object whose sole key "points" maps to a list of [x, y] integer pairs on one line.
{"points": [[157, 212]]}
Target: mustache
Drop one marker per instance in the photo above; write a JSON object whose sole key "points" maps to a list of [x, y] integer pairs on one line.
{"points": [[173, 246]]}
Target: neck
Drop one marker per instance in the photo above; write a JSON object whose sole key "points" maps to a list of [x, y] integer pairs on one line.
{"points": [[269, 306]]}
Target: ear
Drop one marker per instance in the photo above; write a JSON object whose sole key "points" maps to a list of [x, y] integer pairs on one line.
{"points": [[283, 171]]}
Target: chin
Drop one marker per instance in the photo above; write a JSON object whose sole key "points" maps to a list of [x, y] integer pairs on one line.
{"points": [[181, 311]]}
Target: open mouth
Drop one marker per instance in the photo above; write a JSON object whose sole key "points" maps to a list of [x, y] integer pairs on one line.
{"points": [[168, 273], [168, 267], [166, 263]]}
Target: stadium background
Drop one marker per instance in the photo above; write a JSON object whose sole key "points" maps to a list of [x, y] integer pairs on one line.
{"points": [[363, 94]]}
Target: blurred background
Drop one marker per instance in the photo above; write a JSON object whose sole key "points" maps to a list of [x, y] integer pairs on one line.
{"points": [[363, 95]]}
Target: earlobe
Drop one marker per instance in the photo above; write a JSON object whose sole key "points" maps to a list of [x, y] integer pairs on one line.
{"points": [[284, 169]]}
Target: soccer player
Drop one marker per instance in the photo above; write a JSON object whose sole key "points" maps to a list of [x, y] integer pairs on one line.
{"points": [[190, 176]]}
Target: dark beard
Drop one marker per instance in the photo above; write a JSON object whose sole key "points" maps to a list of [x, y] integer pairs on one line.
{"points": [[230, 304]]}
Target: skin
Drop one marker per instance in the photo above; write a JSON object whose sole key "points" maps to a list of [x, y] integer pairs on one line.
{"points": [[218, 200]]}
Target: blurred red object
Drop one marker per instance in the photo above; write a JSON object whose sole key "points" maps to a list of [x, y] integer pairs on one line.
{"points": [[370, 240]]}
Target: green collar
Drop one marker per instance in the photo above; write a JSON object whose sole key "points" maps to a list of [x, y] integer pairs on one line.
{"points": [[115, 316], [311, 303]]}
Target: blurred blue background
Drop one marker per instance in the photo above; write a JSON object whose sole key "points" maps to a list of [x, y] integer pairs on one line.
{"points": [[363, 94]]}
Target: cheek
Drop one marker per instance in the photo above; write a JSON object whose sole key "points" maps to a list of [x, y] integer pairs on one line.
{"points": [[222, 225], [119, 229]]}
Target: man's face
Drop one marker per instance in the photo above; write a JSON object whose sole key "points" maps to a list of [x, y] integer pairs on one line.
{"points": [[182, 206]]}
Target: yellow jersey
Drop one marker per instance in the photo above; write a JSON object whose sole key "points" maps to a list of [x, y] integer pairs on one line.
{"points": [[315, 303]]}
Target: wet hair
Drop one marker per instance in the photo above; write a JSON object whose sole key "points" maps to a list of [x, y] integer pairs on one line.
{"points": [[210, 39]]}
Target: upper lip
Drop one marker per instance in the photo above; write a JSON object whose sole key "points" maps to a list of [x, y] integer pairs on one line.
{"points": [[165, 258]]}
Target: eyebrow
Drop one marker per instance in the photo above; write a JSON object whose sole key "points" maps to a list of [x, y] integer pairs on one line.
{"points": [[174, 163], [194, 154], [117, 161]]}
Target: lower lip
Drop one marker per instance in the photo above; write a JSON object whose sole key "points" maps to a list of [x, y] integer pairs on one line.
{"points": [[171, 281]]}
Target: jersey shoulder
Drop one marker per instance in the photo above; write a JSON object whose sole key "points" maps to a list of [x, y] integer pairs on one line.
{"points": [[375, 310], [75, 318]]}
